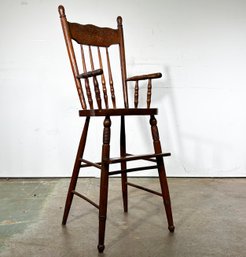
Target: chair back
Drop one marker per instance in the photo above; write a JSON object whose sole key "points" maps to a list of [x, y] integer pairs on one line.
{"points": [[93, 54]]}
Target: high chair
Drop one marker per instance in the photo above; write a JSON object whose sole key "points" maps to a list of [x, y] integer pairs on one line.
{"points": [[100, 99]]}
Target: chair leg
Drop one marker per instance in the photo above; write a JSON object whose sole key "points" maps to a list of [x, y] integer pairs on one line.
{"points": [[123, 164], [76, 169], [104, 184], [162, 173]]}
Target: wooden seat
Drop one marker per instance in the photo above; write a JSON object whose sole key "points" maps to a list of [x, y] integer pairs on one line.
{"points": [[93, 71], [118, 112]]}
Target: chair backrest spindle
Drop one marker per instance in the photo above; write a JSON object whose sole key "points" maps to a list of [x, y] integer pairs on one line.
{"points": [[111, 82], [103, 78], [91, 58], [83, 58], [95, 82], [87, 83]]}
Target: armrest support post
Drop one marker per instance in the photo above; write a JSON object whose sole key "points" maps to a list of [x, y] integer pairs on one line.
{"points": [[148, 77], [136, 94], [149, 93]]}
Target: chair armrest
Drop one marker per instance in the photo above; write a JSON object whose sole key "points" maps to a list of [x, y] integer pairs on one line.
{"points": [[148, 77], [145, 76], [89, 74]]}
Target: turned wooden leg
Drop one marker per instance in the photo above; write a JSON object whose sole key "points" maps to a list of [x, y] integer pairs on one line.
{"points": [[162, 174], [123, 164], [104, 184], [76, 169]]}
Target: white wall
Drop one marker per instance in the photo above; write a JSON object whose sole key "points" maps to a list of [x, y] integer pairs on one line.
{"points": [[198, 45]]}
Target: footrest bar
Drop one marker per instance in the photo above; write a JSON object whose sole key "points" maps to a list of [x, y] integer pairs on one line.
{"points": [[128, 157], [95, 164], [89, 164], [144, 188], [132, 170], [137, 157], [146, 159], [85, 198]]}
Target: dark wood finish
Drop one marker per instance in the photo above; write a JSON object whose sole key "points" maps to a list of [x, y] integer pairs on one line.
{"points": [[89, 36], [118, 112], [136, 94], [93, 35], [95, 82], [103, 79], [116, 172], [148, 77], [76, 169], [144, 188], [85, 198], [149, 93], [137, 157], [123, 163], [162, 173], [111, 83], [144, 77], [90, 74], [83, 58], [71, 54], [122, 61], [87, 84], [89, 163], [148, 158], [127, 158], [104, 183]]}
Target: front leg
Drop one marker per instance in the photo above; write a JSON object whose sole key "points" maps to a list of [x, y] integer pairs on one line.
{"points": [[162, 173], [104, 184]]}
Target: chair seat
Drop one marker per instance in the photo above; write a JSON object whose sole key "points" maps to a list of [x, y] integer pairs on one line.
{"points": [[119, 112]]}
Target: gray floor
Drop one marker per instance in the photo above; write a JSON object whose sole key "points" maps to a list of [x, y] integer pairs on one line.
{"points": [[209, 215]]}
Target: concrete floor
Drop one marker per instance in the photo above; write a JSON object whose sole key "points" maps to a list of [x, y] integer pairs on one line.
{"points": [[209, 215]]}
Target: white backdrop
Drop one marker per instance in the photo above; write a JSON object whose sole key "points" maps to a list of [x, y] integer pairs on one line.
{"points": [[198, 45]]}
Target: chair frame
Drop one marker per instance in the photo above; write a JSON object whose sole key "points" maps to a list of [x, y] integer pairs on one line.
{"points": [[93, 35]]}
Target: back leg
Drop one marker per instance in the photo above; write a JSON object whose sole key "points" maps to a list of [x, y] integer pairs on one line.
{"points": [[76, 169], [123, 164], [162, 173]]}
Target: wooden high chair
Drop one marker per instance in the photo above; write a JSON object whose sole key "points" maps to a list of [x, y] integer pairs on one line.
{"points": [[96, 41]]}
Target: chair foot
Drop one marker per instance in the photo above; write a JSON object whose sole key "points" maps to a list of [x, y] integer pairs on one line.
{"points": [[64, 222], [100, 248], [171, 228]]}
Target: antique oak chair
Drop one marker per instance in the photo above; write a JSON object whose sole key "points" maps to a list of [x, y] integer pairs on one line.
{"points": [[96, 41]]}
